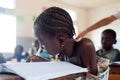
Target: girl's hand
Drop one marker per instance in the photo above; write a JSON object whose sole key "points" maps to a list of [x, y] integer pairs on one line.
{"points": [[81, 35], [35, 58]]}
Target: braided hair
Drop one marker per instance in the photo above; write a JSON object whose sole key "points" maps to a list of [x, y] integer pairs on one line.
{"points": [[53, 20]]}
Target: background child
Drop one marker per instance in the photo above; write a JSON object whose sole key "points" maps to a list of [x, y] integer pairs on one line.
{"points": [[18, 54], [108, 39]]}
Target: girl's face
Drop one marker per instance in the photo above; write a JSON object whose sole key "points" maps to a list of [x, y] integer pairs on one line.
{"points": [[51, 44]]}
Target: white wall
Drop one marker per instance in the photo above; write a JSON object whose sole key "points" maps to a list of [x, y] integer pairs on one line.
{"points": [[82, 19], [98, 13]]}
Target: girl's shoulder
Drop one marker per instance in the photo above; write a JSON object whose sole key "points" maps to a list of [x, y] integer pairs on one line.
{"points": [[84, 44], [84, 41]]}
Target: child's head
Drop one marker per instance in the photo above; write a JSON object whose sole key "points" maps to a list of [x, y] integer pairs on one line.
{"points": [[108, 39], [52, 27], [19, 50]]}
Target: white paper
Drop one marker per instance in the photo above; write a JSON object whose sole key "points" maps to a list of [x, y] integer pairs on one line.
{"points": [[44, 70]]}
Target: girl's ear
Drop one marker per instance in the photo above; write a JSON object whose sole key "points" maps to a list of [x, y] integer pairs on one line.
{"points": [[61, 40], [60, 37]]}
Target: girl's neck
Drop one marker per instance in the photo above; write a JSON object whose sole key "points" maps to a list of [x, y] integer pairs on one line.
{"points": [[71, 49]]}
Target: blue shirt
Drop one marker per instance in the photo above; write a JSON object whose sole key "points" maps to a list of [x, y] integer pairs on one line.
{"points": [[18, 57]]}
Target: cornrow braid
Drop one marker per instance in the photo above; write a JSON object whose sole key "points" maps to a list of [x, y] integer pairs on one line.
{"points": [[54, 20]]}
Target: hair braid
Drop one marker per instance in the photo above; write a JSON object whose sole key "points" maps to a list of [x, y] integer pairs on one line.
{"points": [[54, 20]]}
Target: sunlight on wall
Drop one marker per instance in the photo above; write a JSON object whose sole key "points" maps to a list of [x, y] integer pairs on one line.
{"points": [[7, 26], [72, 13], [7, 33]]}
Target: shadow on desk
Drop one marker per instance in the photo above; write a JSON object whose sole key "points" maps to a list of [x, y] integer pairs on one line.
{"points": [[15, 77], [9, 76], [114, 72]]}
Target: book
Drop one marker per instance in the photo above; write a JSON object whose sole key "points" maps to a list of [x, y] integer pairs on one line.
{"points": [[42, 70]]}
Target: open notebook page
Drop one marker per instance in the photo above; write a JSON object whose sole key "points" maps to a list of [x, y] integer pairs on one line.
{"points": [[44, 70]]}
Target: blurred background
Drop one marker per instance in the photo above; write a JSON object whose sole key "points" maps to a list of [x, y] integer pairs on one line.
{"points": [[17, 18]]}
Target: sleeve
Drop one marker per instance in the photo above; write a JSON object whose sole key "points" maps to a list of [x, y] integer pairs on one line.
{"points": [[103, 70], [101, 76]]}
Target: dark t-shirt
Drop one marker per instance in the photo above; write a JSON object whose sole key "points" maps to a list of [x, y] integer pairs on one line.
{"points": [[113, 54]]}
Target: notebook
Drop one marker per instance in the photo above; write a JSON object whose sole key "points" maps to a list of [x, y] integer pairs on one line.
{"points": [[42, 70]]}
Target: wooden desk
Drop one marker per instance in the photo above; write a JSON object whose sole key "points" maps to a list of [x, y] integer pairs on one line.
{"points": [[114, 72], [14, 77], [68, 77]]}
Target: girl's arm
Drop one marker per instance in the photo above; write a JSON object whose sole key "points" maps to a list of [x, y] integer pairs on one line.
{"points": [[88, 55], [101, 23]]}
